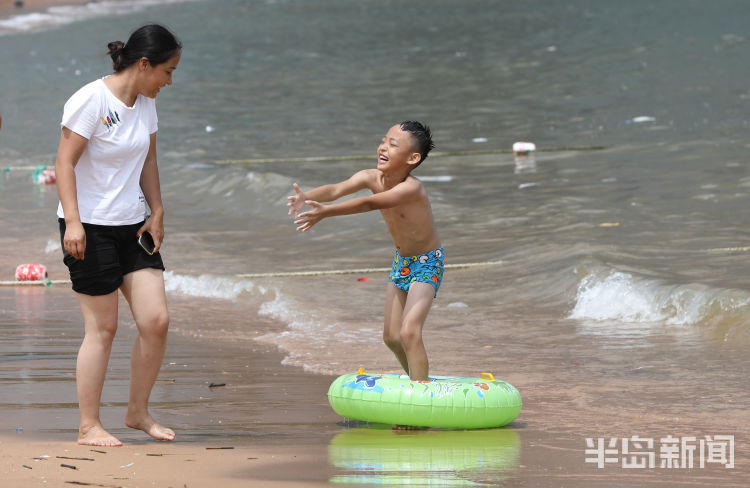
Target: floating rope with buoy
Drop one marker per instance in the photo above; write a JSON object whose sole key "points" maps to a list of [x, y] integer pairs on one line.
{"points": [[20, 168], [317, 159], [281, 274], [729, 249], [35, 283], [41, 174], [352, 271]]}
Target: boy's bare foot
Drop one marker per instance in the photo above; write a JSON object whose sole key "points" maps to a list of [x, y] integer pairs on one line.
{"points": [[97, 436], [148, 425], [408, 427]]}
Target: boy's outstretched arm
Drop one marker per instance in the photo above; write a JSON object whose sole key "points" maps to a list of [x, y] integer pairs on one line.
{"points": [[329, 193], [402, 193], [296, 201]]}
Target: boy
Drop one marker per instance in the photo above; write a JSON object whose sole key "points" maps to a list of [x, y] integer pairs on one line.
{"points": [[402, 200]]}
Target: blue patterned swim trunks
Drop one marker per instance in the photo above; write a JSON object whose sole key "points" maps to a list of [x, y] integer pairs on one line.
{"points": [[424, 268]]}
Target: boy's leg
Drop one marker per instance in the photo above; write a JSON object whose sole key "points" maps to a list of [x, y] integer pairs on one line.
{"points": [[418, 303], [100, 325], [144, 291], [395, 300]]}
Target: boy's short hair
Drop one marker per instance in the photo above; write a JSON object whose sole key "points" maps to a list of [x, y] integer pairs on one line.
{"points": [[422, 137]]}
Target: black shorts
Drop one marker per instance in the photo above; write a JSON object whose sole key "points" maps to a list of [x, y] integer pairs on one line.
{"points": [[111, 253]]}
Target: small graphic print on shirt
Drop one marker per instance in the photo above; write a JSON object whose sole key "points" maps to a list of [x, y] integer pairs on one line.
{"points": [[110, 119]]}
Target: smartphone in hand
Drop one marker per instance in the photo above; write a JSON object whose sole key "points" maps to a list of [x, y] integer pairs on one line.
{"points": [[147, 243]]}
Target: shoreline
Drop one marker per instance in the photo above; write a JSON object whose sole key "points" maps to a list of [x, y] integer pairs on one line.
{"points": [[282, 432], [272, 415]]}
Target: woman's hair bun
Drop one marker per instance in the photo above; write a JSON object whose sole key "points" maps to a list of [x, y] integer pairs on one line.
{"points": [[115, 52], [114, 47]]}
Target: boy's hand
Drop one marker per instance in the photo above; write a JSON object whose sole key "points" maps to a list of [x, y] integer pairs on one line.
{"points": [[306, 220], [296, 201]]}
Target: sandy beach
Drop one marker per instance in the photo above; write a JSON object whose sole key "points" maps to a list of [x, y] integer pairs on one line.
{"points": [[49, 463], [270, 425], [271, 417]]}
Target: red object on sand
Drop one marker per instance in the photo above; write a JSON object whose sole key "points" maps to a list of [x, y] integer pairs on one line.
{"points": [[363, 279], [49, 176], [31, 272], [45, 177]]}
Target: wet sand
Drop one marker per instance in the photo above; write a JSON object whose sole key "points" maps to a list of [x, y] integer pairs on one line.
{"points": [[283, 433], [44, 462], [274, 417]]}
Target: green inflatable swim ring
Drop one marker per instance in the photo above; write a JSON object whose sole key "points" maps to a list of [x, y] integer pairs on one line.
{"points": [[443, 401]]}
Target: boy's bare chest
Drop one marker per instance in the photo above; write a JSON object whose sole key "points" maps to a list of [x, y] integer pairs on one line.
{"points": [[396, 214], [404, 216]]}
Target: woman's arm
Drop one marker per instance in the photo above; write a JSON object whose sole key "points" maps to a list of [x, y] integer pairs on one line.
{"points": [[69, 151], [152, 191]]}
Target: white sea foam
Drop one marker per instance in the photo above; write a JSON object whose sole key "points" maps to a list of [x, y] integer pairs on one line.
{"points": [[623, 297], [437, 179], [615, 297], [207, 285], [306, 326], [312, 339], [67, 14], [52, 246]]}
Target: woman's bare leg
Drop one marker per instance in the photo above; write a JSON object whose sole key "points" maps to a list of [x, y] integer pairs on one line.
{"points": [[144, 291], [100, 324]]}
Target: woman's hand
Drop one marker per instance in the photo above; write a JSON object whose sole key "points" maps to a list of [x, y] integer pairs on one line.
{"points": [[74, 240], [154, 226]]}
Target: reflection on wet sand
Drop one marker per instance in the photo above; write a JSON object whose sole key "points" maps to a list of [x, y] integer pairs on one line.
{"points": [[376, 454]]}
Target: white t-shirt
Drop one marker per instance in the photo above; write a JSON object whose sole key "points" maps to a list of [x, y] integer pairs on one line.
{"points": [[108, 172]]}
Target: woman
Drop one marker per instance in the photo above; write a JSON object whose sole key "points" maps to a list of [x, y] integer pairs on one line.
{"points": [[106, 173]]}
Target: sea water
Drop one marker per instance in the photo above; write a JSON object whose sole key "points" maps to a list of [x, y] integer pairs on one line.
{"points": [[626, 227]]}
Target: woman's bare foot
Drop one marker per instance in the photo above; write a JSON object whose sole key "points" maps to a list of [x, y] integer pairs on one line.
{"points": [[148, 425], [97, 436]]}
